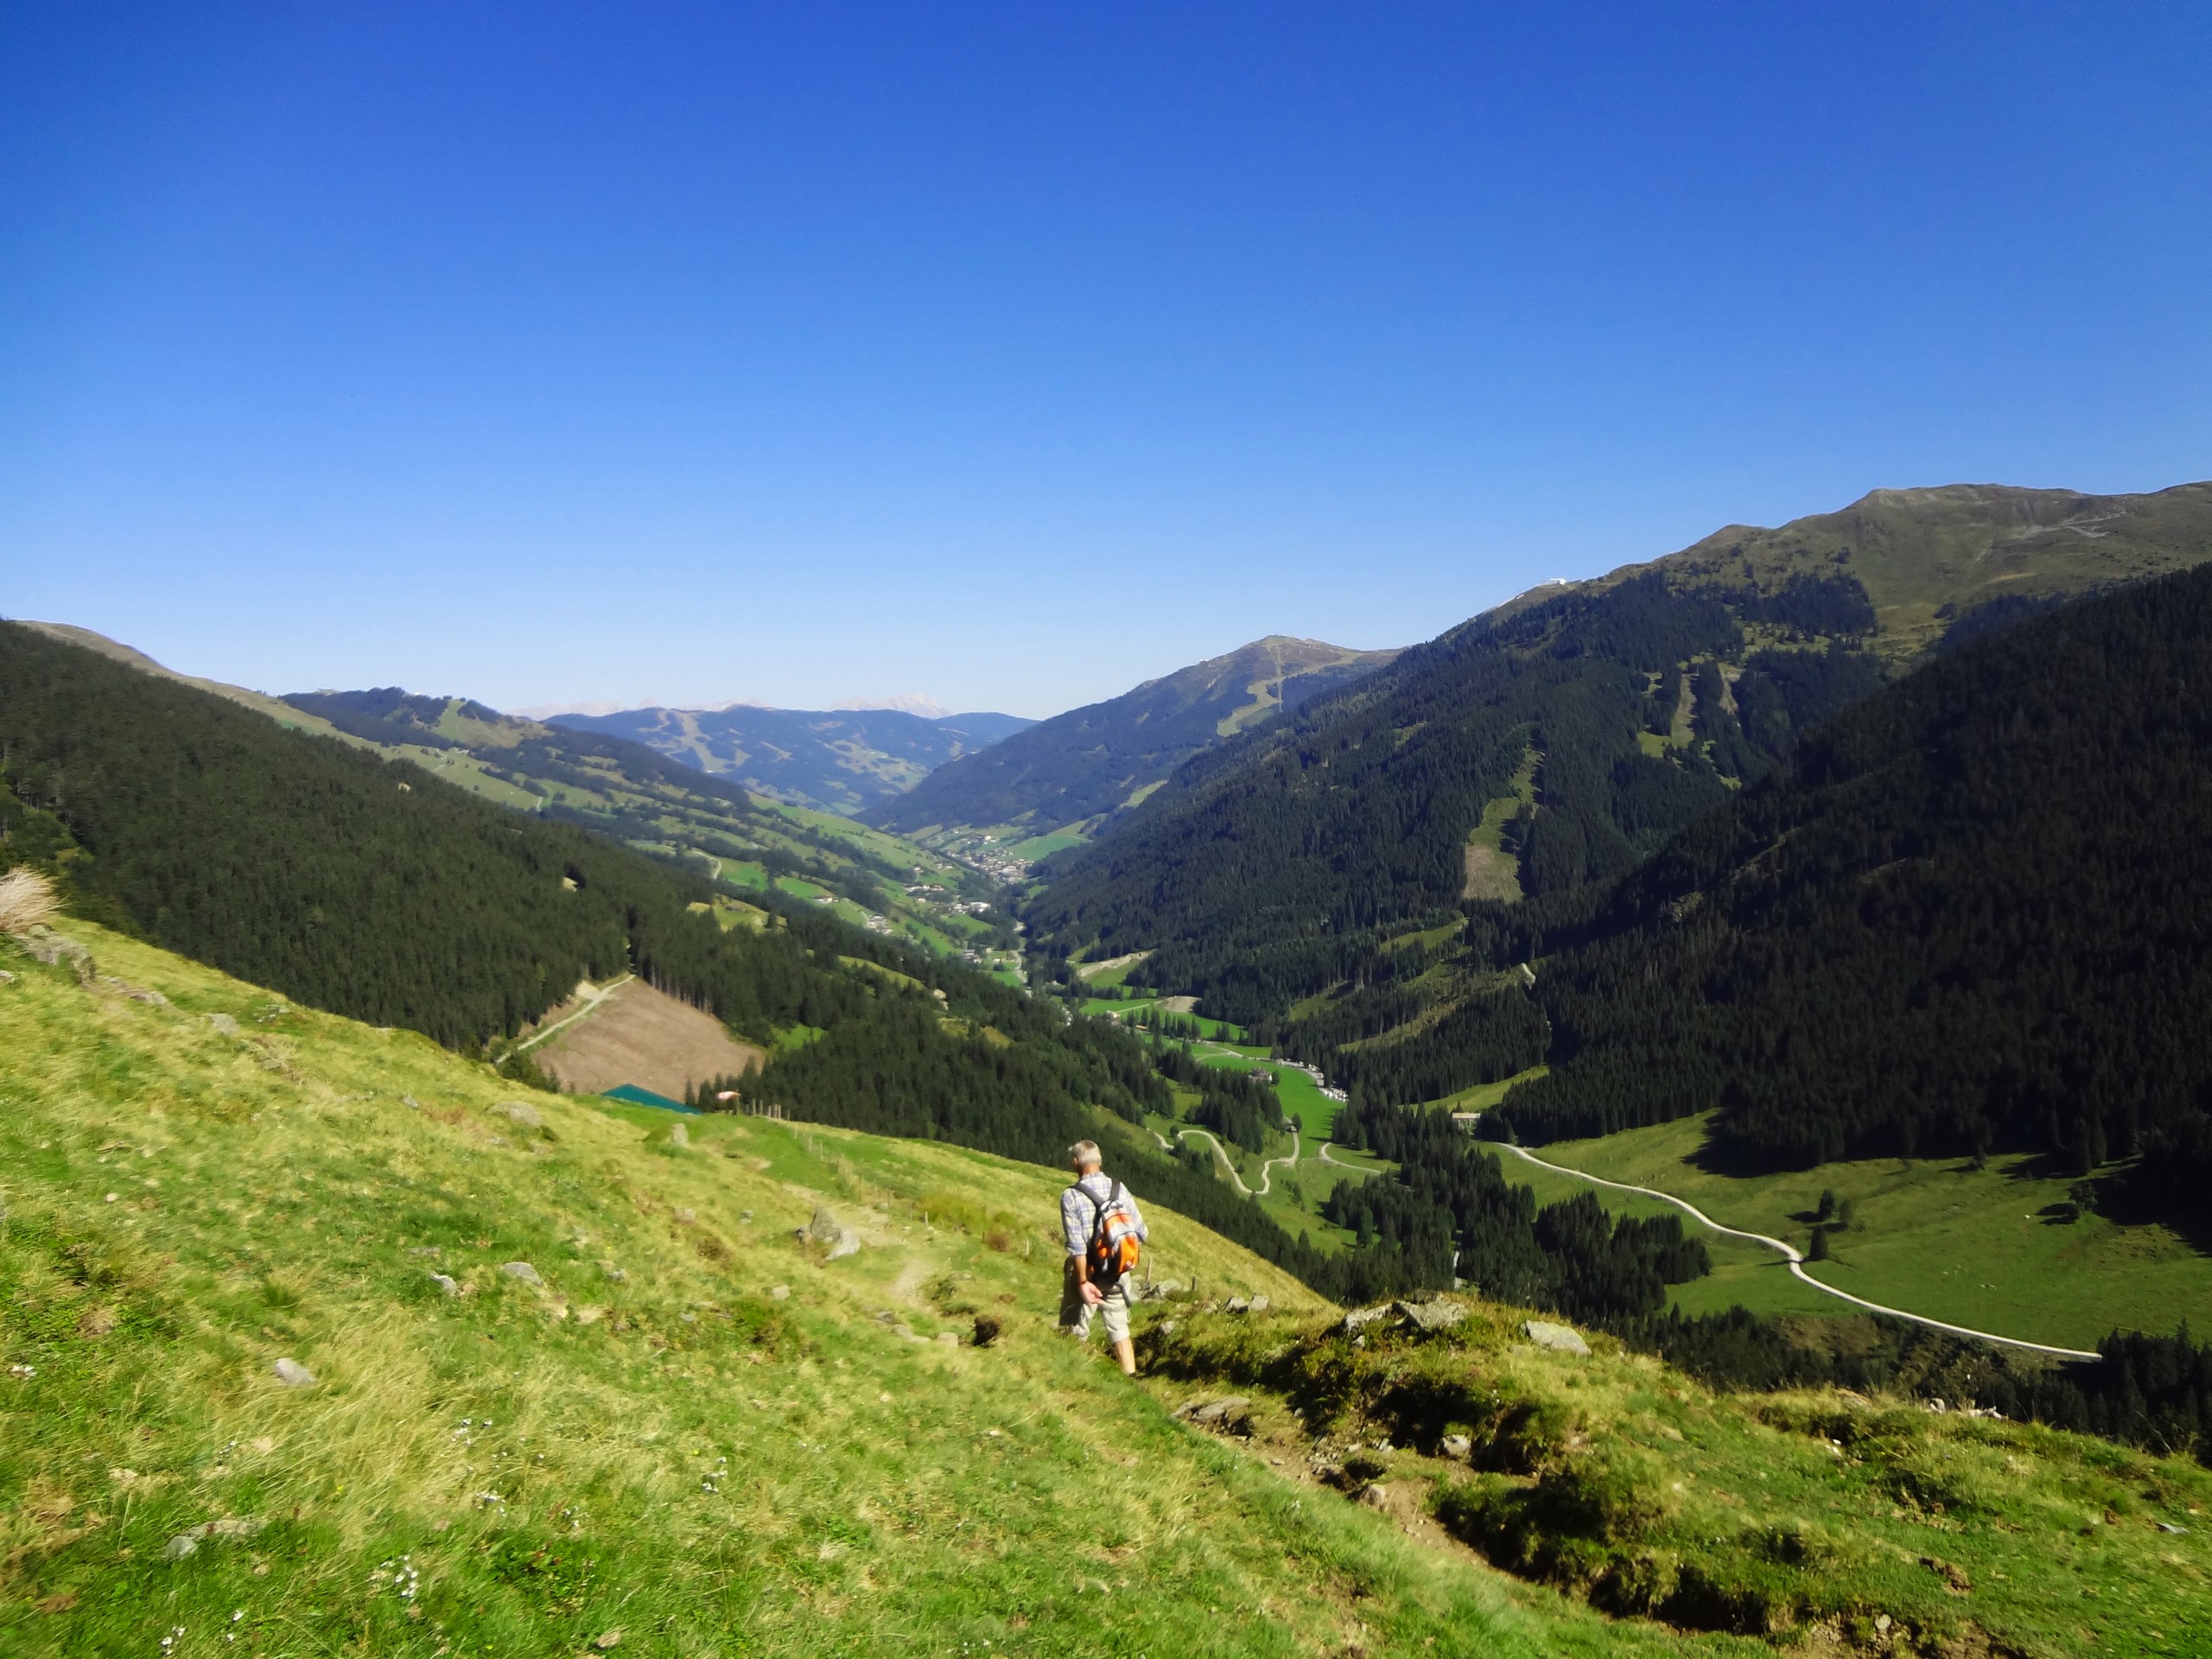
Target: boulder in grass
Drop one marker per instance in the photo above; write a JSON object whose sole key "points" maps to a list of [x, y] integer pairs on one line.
{"points": [[1432, 1316], [293, 1375], [1559, 1338], [1360, 1317], [522, 1271], [521, 1114], [831, 1233]]}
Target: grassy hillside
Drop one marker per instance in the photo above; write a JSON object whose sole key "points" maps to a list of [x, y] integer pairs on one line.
{"points": [[650, 1441], [647, 1449], [1069, 772]]}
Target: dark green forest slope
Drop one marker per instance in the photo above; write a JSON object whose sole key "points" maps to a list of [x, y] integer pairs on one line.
{"points": [[1975, 914], [1090, 761], [1554, 743]]}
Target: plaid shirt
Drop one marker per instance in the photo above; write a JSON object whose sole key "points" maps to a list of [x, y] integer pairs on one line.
{"points": [[1078, 1218]]}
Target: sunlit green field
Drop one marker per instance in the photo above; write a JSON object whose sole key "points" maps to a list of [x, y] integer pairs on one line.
{"points": [[1933, 1236]]}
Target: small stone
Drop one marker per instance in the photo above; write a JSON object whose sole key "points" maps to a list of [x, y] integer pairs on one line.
{"points": [[1374, 1494], [1236, 1304], [685, 1217], [224, 1024], [446, 1283], [1260, 1305], [609, 1272], [1559, 1338], [1232, 1411], [521, 1114], [1457, 1445], [611, 1639], [678, 1135], [950, 1339], [293, 1375], [2168, 1526], [745, 1215], [522, 1271], [1364, 1316], [180, 1547], [780, 1292], [410, 1103]]}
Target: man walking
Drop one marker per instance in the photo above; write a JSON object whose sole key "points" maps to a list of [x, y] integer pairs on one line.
{"points": [[1100, 1223]]}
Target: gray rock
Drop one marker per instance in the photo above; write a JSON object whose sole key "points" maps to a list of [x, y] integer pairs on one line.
{"points": [[522, 1271], [1260, 1305], [6, 978], [1374, 1494], [1160, 1289], [1559, 1338], [1231, 1412], [446, 1283], [609, 1271], [2168, 1526], [410, 1103], [779, 1292], [685, 1217], [1456, 1446], [293, 1375], [1438, 1315], [52, 949], [1364, 1316], [1236, 1304], [180, 1547], [827, 1230], [678, 1135], [224, 1024], [521, 1114]]}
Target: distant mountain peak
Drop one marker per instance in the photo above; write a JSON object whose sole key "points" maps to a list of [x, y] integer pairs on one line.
{"points": [[906, 702]]}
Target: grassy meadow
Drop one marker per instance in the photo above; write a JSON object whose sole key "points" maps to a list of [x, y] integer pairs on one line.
{"points": [[1932, 1235], [639, 1443]]}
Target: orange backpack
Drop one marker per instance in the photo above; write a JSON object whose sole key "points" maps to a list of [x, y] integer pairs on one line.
{"points": [[1115, 1246]]}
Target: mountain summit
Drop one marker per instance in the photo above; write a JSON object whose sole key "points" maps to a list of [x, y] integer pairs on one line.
{"points": [[1092, 760]]}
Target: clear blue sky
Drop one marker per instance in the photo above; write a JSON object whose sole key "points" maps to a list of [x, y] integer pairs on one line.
{"points": [[1011, 354]]}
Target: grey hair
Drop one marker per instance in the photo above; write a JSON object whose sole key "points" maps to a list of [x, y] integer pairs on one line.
{"points": [[1085, 1152]]}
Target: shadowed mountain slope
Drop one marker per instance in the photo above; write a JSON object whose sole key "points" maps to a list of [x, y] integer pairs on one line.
{"points": [[1558, 739]]}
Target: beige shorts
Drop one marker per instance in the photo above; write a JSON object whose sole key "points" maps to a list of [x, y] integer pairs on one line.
{"points": [[1075, 1312]]}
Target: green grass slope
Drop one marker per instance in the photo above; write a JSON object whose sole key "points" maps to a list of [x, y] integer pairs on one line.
{"points": [[643, 1446]]}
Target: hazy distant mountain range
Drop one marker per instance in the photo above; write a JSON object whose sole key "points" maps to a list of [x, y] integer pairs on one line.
{"points": [[1079, 766], [839, 760]]}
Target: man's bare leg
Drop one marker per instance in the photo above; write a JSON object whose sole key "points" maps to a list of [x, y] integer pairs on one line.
{"points": [[1126, 1352]]}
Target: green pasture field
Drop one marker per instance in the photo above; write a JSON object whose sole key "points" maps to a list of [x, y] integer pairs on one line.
{"points": [[1045, 846], [1932, 1235]]}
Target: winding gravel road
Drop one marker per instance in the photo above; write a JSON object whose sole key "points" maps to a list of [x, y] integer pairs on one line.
{"points": [[1796, 1259]]}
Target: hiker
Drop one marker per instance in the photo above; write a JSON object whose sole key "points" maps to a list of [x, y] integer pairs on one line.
{"points": [[1099, 1220]]}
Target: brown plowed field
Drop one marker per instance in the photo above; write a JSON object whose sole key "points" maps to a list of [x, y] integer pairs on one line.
{"points": [[639, 1035]]}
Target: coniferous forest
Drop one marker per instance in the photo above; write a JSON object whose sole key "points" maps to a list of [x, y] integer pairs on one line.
{"points": [[1974, 914]]}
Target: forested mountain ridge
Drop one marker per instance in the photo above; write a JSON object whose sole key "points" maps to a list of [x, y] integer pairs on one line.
{"points": [[632, 792], [1092, 761], [1556, 741], [1974, 914], [838, 760]]}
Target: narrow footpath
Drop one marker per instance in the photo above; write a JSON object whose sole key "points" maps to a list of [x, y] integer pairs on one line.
{"points": [[1792, 1255]]}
